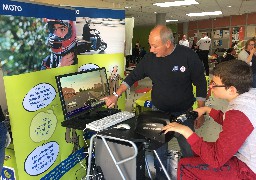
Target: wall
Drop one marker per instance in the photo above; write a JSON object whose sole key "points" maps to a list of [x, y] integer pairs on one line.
{"points": [[235, 20], [140, 34], [244, 22]]}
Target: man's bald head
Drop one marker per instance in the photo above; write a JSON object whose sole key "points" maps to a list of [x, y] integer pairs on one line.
{"points": [[161, 41], [164, 32]]}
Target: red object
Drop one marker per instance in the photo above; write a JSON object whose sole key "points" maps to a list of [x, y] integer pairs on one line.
{"points": [[136, 84], [196, 168], [241, 33], [215, 157], [142, 90]]}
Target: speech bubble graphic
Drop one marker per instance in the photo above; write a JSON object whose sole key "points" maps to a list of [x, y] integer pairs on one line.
{"points": [[86, 67], [43, 126], [41, 159], [39, 97]]}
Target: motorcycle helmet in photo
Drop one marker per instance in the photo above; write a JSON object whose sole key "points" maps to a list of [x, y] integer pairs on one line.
{"points": [[61, 45]]}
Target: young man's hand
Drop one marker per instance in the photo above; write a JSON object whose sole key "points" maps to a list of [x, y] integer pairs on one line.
{"points": [[199, 122], [179, 128]]}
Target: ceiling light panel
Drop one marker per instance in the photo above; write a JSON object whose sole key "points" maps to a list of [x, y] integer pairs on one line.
{"points": [[172, 20], [176, 3], [214, 13]]}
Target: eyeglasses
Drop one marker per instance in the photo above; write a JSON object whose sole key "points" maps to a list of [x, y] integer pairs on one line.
{"points": [[214, 85], [251, 44]]}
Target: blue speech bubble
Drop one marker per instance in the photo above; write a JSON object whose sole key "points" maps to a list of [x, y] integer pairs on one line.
{"points": [[39, 97], [42, 158]]}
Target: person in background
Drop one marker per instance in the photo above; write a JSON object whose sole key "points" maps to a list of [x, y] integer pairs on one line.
{"points": [[137, 44], [233, 154], [173, 69], [248, 55], [184, 41], [203, 46], [193, 46], [229, 55], [142, 52], [3, 136], [135, 54]]}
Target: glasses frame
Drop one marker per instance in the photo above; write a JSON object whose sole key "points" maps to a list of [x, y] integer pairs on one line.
{"points": [[213, 85]]}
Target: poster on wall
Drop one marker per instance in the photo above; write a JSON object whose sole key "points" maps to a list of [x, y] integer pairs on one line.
{"points": [[216, 34], [226, 34], [235, 34], [251, 31], [217, 42], [34, 38], [100, 31]]}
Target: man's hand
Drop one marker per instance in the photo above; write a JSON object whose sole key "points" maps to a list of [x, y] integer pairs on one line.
{"points": [[68, 59], [110, 101]]}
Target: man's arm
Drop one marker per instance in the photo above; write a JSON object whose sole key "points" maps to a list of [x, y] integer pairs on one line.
{"points": [[200, 121], [123, 87], [199, 80], [112, 99], [198, 42]]}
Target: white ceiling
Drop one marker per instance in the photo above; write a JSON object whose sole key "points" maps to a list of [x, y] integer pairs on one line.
{"points": [[143, 10]]}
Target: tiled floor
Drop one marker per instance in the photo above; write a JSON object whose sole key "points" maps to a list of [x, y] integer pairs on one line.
{"points": [[209, 131]]}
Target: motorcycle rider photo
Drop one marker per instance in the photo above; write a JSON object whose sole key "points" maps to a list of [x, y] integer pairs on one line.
{"points": [[87, 36], [89, 40], [62, 40]]}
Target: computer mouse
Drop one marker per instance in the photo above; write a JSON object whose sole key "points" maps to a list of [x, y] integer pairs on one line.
{"points": [[123, 126]]}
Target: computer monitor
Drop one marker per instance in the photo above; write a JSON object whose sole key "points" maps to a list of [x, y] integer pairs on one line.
{"points": [[81, 92]]}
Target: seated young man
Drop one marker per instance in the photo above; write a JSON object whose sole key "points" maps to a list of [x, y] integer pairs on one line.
{"points": [[233, 155]]}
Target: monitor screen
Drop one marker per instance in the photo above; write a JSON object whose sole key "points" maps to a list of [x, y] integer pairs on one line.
{"points": [[81, 92]]}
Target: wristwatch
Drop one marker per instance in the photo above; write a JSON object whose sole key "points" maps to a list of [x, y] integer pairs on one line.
{"points": [[115, 94]]}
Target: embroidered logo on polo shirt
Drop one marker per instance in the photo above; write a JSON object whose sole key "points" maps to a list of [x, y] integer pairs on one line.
{"points": [[182, 69], [175, 68]]}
